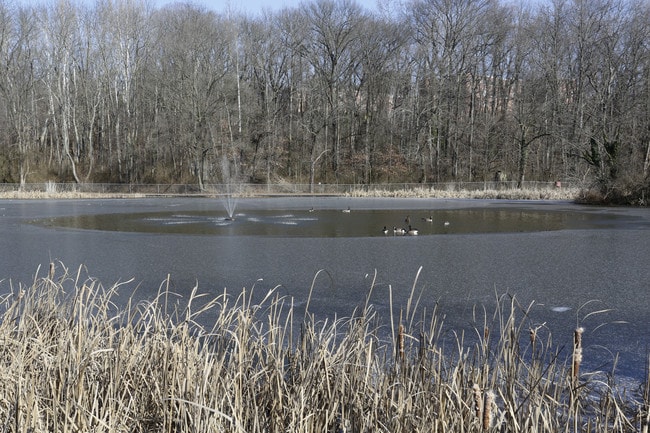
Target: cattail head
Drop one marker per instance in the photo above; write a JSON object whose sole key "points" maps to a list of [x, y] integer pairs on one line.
{"points": [[577, 360], [477, 396], [577, 337], [488, 407], [533, 336], [577, 352]]}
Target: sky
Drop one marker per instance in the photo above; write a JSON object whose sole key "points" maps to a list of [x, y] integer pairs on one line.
{"points": [[253, 6], [257, 6]]}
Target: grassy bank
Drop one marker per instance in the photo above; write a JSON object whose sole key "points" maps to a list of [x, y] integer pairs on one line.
{"points": [[570, 194], [496, 194], [37, 195], [71, 361]]}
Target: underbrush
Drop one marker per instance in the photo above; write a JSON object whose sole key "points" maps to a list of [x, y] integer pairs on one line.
{"points": [[622, 192], [72, 361]]}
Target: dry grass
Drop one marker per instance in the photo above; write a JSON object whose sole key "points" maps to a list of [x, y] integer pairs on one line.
{"points": [[73, 362], [424, 192], [505, 194], [34, 195]]}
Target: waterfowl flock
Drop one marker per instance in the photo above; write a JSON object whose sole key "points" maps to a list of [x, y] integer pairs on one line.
{"points": [[399, 231], [410, 231]]}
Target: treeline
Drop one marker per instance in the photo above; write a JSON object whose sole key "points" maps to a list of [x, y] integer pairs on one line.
{"points": [[438, 90]]}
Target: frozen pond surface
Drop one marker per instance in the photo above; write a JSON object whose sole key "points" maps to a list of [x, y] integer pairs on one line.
{"points": [[567, 260]]}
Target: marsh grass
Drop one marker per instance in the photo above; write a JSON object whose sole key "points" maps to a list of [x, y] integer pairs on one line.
{"points": [[72, 361], [486, 194], [50, 191]]}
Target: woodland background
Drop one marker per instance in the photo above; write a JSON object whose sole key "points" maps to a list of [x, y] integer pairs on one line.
{"points": [[421, 91]]}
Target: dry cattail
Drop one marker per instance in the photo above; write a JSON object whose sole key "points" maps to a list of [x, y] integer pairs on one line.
{"points": [[422, 351], [577, 352], [486, 337], [577, 337], [488, 407], [533, 337], [478, 400], [533, 340], [400, 342], [577, 360]]}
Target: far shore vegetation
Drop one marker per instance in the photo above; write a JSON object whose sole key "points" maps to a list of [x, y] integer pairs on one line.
{"points": [[575, 194], [73, 361]]}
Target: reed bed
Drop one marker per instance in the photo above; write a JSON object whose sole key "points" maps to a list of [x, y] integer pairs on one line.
{"points": [[573, 194], [73, 361], [485, 194], [63, 195]]}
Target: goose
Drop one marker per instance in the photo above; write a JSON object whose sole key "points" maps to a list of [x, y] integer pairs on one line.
{"points": [[399, 231], [412, 231], [446, 223], [311, 209], [428, 219], [346, 210], [407, 220], [385, 230]]}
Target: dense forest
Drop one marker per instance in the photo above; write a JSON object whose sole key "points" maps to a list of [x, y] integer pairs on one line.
{"points": [[427, 91]]}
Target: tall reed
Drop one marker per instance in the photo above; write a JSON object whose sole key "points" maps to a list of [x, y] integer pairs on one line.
{"points": [[72, 361]]}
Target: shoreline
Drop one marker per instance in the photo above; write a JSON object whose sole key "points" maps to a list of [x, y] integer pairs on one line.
{"points": [[571, 194]]}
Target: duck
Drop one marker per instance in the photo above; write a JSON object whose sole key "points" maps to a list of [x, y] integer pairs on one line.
{"points": [[346, 210], [446, 223], [407, 220], [412, 231], [399, 231]]}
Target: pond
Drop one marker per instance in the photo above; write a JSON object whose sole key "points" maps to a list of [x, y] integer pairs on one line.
{"points": [[330, 223], [573, 265]]}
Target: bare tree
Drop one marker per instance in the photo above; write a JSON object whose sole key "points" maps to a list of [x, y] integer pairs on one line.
{"points": [[300, 143], [333, 26], [192, 59], [61, 39], [125, 33], [551, 56], [378, 73], [18, 84], [269, 79], [448, 89], [448, 32]]}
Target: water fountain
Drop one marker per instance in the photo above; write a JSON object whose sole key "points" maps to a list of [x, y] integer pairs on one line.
{"points": [[230, 201]]}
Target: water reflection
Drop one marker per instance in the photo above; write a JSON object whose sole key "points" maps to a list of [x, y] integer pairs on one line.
{"points": [[334, 223]]}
